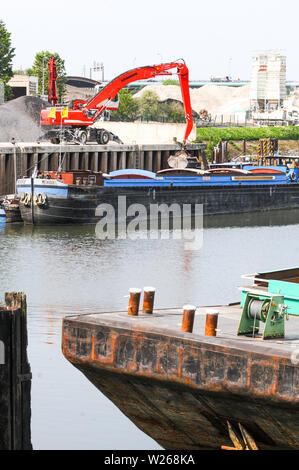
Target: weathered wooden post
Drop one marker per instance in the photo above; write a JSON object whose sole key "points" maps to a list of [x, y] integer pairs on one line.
{"points": [[15, 375]]}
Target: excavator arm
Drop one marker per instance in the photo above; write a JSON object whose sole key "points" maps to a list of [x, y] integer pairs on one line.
{"points": [[83, 114], [52, 92], [96, 105]]}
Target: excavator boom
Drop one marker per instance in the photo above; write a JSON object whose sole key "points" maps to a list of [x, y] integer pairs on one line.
{"points": [[110, 91], [83, 114]]}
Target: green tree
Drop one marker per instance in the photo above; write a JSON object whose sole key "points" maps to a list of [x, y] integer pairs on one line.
{"points": [[149, 106], [40, 70], [173, 112], [6, 56], [128, 107]]}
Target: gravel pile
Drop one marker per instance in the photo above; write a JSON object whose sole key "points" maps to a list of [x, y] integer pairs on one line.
{"points": [[217, 100], [19, 119]]}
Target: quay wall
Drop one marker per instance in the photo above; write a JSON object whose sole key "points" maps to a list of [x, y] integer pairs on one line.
{"points": [[17, 160]]}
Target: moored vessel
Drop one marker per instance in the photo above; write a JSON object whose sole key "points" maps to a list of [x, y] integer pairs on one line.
{"points": [[230, 384], [73, 197], [60, 197]]}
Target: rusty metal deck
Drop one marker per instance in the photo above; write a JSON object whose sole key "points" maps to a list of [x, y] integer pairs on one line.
{"points": [[182, 389], [169, 322]]}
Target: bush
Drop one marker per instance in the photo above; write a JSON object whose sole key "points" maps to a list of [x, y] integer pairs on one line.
{"points": [[127, 109], [246, 133]]}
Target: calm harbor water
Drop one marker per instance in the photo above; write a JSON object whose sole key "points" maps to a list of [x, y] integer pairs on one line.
{"points": [[67, 270]]}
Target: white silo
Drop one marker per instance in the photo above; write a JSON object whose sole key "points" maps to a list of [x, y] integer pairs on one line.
{"points": [[268, 81]]}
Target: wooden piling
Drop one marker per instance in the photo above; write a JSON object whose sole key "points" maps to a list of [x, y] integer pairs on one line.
{"points": [[15, 375]]}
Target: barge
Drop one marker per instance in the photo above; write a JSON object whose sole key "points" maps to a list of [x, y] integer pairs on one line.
{"points": [[234, 385], [73, 196]]}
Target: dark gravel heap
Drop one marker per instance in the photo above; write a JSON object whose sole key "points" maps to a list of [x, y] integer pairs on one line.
{"points": [[19, 119]]}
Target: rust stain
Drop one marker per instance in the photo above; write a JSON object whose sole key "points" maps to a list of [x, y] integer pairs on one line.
{"points": [[181, 352], [113, 339], [93, 355]]}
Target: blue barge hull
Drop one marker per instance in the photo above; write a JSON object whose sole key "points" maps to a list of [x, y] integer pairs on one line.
{"points": [[218, 194]]}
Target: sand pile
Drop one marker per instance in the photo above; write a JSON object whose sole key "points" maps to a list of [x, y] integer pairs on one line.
{"points": [[217, 100], [20, 118]]}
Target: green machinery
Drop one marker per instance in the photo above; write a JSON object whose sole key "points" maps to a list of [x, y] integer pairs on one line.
{"points": [[269, 309]]}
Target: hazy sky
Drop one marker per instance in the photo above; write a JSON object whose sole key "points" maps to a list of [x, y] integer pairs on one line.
{"points": [[216, 38]]}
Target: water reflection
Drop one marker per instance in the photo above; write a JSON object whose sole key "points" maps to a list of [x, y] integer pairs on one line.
{"points": [[67, 270]]}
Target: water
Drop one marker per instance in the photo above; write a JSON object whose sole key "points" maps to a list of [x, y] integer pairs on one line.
{"points": [[66, 270]]}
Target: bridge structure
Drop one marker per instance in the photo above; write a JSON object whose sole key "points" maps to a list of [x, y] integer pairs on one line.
{"points": [[84, 82]]}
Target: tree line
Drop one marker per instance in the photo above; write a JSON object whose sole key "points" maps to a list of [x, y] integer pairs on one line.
{"points": [[38, 69], [147, 108]]}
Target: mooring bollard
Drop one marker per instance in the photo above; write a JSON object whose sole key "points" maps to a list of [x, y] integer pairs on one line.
{"points": [[148, 299], [15, 375], [211, 322], [188, 318], [134, 300]]}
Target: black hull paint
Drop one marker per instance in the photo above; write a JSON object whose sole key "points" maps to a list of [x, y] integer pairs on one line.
{"points": [[215, 199]]}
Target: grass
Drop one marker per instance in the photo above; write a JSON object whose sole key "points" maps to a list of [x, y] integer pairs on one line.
{"points": [[216, 134]]}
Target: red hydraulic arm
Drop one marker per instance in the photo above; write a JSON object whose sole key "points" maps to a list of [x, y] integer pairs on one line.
{"points": [[52, 92], [110, 91], [83, 114]]}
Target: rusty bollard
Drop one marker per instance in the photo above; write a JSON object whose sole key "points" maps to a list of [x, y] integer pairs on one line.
{"points": [[134, 300], [188, 318], [211, 322], [148, 299]]}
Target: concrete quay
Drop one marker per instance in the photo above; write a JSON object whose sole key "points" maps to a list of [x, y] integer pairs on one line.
{"points": [[19, 159]]}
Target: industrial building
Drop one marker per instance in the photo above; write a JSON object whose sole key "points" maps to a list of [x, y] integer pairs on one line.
{"points": [[268, 81], [23, 85]]}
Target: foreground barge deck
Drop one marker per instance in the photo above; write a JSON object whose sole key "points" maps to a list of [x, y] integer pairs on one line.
{"points": [[186, 390]]}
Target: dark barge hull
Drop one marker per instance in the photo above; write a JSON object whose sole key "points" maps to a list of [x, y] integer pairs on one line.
{"points": [[61, 211], [75, 209], [180, 388]]}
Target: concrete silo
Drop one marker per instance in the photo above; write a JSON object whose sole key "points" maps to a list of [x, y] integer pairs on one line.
{"points": [[268, 81]]}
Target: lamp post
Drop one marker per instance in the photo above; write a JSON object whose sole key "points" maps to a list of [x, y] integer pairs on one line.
{"points": [[97, 67]]}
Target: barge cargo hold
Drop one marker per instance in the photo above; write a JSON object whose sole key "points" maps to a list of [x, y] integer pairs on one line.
{"points": [[188, 390]]}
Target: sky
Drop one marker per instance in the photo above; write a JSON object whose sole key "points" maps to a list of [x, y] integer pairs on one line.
{"points": [[215, 38]]}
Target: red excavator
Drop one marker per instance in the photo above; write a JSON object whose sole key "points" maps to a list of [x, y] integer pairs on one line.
{"points": [[74, 123]]}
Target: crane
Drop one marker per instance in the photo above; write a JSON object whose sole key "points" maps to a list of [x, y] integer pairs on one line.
{"points": [[75, 125]]}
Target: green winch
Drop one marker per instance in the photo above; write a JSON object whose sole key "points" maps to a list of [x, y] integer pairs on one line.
{"points": [[269, 309]]}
